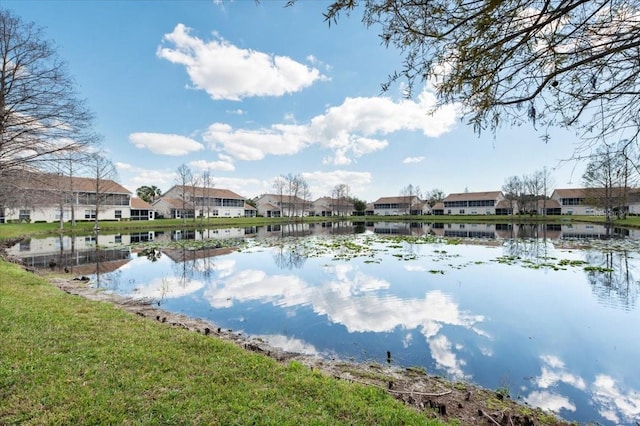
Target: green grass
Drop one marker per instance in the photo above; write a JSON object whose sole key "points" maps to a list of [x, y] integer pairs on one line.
{"points": [[67, 360], [15, 230]]}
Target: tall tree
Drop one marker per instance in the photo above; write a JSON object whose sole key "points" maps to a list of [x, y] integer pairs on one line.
{"points": [[607, 177], [408, 193], [104, 172], [278, 186], [513, 189], [305, 195], [41, 116], [340, 198], [570, 63], [359, 206], [435, 196], [207, 185], [183, 181], [148, 193]]}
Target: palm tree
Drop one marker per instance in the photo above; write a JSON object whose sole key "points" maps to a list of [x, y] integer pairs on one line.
{"points": [[148, 193]]}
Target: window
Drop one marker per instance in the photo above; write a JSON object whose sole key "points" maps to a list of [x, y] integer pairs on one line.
{"points": [[117, 239], [215, 212], [25, 215], [89, 214], [461, 211], [118, 214]]}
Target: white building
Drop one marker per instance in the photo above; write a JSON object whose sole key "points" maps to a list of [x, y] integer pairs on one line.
{"points": [[46, 197]]}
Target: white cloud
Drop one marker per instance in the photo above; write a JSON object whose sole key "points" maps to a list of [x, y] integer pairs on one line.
{"points": [[289, 344], [412, 160], [245, 187], [165, 144], [224, 166], [242, 144], [350, 130], [322, 183], [225, 71], [614, 404], [123, 166], [137, 177], [236, 111], [445, 357], [553, 371], [549, 401]]}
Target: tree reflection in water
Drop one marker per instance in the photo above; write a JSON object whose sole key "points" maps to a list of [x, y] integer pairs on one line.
{"points": [[614, 284]]}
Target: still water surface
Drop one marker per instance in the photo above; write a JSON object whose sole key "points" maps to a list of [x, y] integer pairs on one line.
{"points": [[553, 316]]}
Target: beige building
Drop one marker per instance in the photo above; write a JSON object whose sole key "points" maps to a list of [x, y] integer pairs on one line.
{"points": [[474, 203], [49, 197], [188, 202], [327, 206], [590, 201], [402, 205], [276, 205]]}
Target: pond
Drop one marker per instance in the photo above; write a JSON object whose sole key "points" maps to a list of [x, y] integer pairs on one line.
{"points": [[548, 313]]}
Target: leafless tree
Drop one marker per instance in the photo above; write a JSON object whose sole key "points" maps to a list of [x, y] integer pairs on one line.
{"points": [[513, 189], [104, 173], [184, 177], [408, 193], [42, 119], [434, 196], [305, 195], [278, 186], [340, 196], [207, 184], [607, 176]]}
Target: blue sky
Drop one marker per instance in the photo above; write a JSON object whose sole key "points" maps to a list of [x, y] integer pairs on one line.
{"points": [[253, 90]]}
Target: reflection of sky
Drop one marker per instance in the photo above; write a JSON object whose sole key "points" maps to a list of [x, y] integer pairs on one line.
{"points": [[453, 309]]}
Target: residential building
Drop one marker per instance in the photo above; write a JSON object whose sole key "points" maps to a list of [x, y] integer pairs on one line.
{"points": [[591, 201], [276, 205], [402, 205], [173, 208], [474, 203], [182, 201], [141, 210], [48, 197], [327, 206], [249, 210]]}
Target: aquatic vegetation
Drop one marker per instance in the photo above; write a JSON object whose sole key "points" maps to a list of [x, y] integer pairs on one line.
{"points": [[597, 269]]}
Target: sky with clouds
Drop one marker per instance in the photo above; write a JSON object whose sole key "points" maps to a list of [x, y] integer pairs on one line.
{"points": [[251, 91]]}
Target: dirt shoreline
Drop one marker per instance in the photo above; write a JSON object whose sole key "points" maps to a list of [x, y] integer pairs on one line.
{"points": [[435, 396]]}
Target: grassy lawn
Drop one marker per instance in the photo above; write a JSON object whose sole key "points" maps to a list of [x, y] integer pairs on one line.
{"points": [[15, 230], [67, 360]]}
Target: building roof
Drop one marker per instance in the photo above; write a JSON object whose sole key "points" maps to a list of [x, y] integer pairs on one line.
{"points": [[394, 200], [504, 204], [589, 192], [248, 206], [207, 192], [473, 196], [285, 198], [438, 206], [140, 204], [53, 181]]}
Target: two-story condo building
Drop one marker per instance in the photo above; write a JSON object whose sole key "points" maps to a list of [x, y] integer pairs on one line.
{"points": [[186, 202], [472, 203], [402, 205], [276, 205], [48, 197]]}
